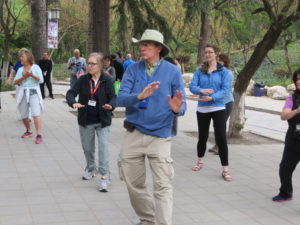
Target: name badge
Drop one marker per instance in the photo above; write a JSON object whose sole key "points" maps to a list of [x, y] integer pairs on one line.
{"points": [[298, 126], [92, 103]]}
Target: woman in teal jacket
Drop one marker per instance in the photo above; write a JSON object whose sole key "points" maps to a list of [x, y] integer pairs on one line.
{"points": [[211, 82]]}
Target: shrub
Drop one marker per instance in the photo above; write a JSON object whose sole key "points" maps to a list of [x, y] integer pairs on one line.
{"points": [[5, 87], [281, 72]]}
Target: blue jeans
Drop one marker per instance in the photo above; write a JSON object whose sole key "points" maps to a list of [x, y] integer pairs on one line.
{"points": [[87, 136]]}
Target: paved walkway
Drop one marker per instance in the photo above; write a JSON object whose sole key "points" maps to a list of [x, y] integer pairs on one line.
{"points": [[41, 184]]}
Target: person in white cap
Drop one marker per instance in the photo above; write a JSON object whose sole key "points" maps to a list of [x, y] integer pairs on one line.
{"points": [[152, 91]]}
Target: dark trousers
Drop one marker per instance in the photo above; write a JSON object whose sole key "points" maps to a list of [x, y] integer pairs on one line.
{"points": [[47, 81], [290, 159], [219, 123], [228, 109]]}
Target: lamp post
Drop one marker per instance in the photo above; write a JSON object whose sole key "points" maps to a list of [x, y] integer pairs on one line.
{"points": [[53, 17], [54, 14]]}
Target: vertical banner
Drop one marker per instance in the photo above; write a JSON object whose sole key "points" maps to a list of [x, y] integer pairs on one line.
{"points": [[52, 34]]}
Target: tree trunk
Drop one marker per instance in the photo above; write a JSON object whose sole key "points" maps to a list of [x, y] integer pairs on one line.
{"points": [[238, 115], [98, 33], [38, 28], [6, 44], [204, 35], [287, 58], [244, 77]]}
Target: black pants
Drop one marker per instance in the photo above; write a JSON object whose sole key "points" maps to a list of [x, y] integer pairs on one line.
{"points": [[47, 81], [219, 120], [290, 159], [228, 109]]}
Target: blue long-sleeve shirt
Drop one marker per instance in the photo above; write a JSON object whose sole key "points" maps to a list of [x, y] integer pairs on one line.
{"points": [[157, 118], [229, 96], [218, 80], [127, 63]]}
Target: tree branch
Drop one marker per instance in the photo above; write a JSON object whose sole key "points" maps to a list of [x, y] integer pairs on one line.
{"points": [[287, 6], [291, 18], [218, 4], [244, 49], [259, 10], [268, 9]]}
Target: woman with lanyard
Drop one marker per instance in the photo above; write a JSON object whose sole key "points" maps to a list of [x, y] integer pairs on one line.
{"points": [[29, 77], [291, 153], [95, 104], [211, 82]]}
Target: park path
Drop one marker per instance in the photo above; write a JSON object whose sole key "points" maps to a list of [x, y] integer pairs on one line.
{"points": [[41, 184]]}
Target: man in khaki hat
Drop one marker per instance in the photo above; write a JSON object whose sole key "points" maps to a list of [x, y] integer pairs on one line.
{"points": [[153, 93]]}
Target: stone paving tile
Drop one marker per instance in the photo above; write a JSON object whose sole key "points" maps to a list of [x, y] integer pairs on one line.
{"points": [[20, 219], [43, 182], [90, 222], [46, 218], [79, 216]]}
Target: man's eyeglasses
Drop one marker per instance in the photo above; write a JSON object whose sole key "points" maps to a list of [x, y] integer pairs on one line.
{"points": [[91, 64]]}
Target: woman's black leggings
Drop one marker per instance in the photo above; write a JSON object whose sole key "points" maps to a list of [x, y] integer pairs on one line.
{"points": [[219, 120], [290, 159]]}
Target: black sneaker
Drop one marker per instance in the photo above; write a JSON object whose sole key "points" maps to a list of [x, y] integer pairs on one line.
{"points": [[279, 198]]}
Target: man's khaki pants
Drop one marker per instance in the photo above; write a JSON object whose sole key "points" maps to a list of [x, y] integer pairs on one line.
{"points": [[136, 146]]}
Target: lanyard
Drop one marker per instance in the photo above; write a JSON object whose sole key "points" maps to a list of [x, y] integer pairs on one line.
{"points": [[93, 90]]}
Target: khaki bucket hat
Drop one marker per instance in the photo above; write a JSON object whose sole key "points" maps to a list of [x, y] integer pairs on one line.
{"points": [[156, 36]]}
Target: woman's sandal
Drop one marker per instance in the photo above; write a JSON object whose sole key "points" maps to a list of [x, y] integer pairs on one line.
{"points": [[226, 176], [198, 166]]}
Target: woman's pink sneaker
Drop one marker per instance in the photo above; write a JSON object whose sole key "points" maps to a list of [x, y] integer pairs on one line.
{"points": [[38, 139], [26, 134]]}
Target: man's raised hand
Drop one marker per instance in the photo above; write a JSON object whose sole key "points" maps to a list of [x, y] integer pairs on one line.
{"points": [[148, 90], [176, 102]]}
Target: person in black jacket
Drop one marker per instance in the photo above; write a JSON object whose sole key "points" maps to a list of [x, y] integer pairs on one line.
{"points": [[46, 66], [95, 104], [118, 67], [291, 153]]}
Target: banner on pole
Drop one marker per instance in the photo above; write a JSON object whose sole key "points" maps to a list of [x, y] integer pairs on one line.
{"points": [[52, 34]]}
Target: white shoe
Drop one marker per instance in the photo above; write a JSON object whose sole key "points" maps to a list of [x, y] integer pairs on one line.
{"points": [[88, 175], [103, 185]]}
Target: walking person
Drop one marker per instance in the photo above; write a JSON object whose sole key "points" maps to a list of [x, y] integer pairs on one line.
{"points": [[29, 77], [108, 69], [291, 152], [46, 66], [211, 83], [95, 104], [129, 61], [228, 99], [153, 93], [17, 66], [77, 66]]}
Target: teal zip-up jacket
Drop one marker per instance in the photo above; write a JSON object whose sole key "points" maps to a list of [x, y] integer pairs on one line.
{"points": [[218, 80], [157, 118]]}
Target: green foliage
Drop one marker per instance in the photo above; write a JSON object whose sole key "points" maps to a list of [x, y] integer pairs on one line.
{"points": [[281, 72], [194, 7], [60, 72], [5, 87], [137, 15], [239, 126], [244, 26]]}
